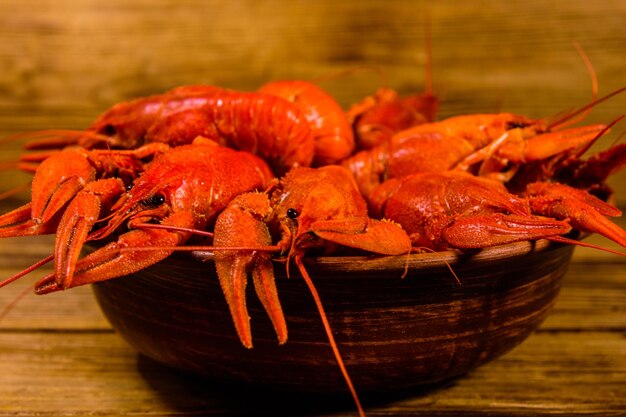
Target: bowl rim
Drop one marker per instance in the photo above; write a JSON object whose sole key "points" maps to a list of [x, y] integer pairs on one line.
{"points": [[423, 260]]}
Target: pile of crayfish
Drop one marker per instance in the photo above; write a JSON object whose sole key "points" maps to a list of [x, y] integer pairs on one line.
{"points": [[285, 171]]}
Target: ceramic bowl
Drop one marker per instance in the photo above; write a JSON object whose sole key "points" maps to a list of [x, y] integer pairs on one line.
{"points": [[393, 333]]}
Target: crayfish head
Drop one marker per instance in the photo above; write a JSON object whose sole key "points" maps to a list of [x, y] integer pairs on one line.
{"points": [[308, 201], [523, 126], [153, 208], [125, 124]]}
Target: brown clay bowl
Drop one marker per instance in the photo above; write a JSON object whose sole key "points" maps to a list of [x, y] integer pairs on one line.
{"points": [[393, 333]]}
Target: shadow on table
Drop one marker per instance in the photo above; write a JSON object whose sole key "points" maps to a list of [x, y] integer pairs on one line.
{"points": [[188, 393]]}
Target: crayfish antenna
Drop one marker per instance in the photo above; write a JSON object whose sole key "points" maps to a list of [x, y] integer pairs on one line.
{"points": [[329, 333], [593, 76], [60, 138], [7, 309], [561, 239], [26, 290], [585, 108], [198, 232], [594, 86], [598, 136], [421, 249], [26, 271]]}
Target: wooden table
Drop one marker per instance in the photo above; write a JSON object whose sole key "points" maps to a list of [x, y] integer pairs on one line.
{"points": [[63, 63], [59, 357]]}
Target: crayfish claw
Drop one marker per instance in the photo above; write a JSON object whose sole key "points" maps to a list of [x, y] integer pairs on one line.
{"points": [[379, 236], [265, 286], [584, 211], [233, 280], [47, 285], [77, 221], [57, 180], [482, 231], [242, 224], [19, 222]]}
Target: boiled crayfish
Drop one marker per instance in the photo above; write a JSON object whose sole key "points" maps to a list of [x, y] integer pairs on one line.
{"points": [[455, 210], [499, 143], [377, 118], [159, 174], [185, 188], [309, 209], [287, 123], [71, 172]]}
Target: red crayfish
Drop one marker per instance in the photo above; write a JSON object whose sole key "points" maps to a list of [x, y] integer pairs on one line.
{"points": [[456, 210], [185, 188], [158, 174], [500, 143], [309, 209], [287, 123], [377, 118]]}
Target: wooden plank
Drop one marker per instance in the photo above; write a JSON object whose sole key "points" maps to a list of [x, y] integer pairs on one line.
{"points": [[593, 297], [75, 374]]}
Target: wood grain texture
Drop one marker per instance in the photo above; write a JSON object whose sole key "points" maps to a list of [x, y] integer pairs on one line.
{"points": [[64, 62], [64, 65], [544, 376]]}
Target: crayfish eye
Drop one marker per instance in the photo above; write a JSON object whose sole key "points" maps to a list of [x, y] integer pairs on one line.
{"points": [[292, 213], [109, 130], [515, 125], [154, 200]]}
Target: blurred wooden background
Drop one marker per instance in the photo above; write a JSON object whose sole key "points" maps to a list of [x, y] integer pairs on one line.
{"points": [[64, 62]]}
